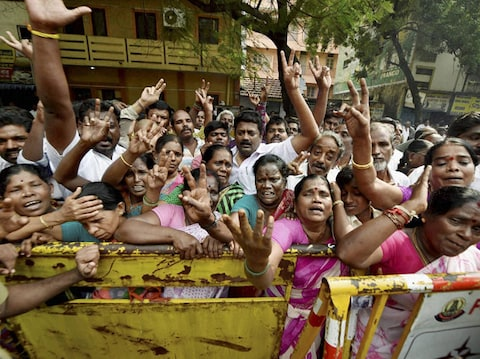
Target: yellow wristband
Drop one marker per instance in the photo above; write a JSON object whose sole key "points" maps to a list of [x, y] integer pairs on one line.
{"points": [[362, 167], [42, 34]]}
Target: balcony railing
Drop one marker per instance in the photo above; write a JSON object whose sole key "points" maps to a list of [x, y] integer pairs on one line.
{"points": [[139, 53]]}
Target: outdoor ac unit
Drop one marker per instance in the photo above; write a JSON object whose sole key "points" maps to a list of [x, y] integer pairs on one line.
{"points": [[173, 17]]}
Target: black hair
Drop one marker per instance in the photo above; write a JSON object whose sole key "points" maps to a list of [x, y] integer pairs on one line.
{"points": [[161, 105], [8, 172], [276, 120], [447, 198], [211, 150], [344, 177], [271, 158], [463, 124], [89, 105], [301, 184], [214, 125], [13, 115], [250, 116], [162, 141], [451, 141], [105, 192]]}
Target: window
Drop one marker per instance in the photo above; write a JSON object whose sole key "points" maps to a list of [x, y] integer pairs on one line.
{"points": [[146, 25], [207, 30], [424, 71], [75, 28], [330, 60], [99, 22], [311, 91]]}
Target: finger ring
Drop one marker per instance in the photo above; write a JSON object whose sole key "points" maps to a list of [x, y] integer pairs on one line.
{"points": [[132, 135]]}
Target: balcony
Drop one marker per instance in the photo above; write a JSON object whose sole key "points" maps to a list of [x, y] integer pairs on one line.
{"points": [[83, 50]]}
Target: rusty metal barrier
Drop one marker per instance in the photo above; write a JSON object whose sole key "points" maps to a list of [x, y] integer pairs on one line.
{"points": [[246, 327]]}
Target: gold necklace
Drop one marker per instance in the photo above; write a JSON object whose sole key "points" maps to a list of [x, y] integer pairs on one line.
{"points": [[420, 248]]}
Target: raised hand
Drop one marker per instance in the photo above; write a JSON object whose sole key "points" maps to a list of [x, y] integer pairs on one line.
{"points": [[94, 129], [292, 71], [202, 92], [419, 199], [255, 244], [157, 176], [294, 166], [197, 202], [8, 257], [357, 115], [144, 139], [49, 15], [87, 261], [321, 74], [254, 98], [23, 46], [151, 94]]}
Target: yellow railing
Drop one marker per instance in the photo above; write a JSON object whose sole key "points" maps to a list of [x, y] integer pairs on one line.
{"points": [[139, 53]]}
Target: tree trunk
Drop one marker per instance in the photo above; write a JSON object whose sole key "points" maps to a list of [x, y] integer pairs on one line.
{"points": [[403, 64], [280, 41]]}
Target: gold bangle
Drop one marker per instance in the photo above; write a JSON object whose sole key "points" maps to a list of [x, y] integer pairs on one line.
{"points": [[42, 34], [44, 222], [125, 161], [339, 201], [362, 167]]}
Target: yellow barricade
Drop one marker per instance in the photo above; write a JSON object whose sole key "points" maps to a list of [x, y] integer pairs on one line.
{"points": [[444, 321], [246, 327]]}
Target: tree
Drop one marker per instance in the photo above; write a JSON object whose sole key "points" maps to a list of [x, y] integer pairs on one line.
{"points": [[323, 21], [437, 26]]}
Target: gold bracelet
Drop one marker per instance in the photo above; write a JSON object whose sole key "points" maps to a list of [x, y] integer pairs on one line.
{"points": [[125, 161], [409, 214], [44, 222], [339, 201], [42, 34], [362, 167]]}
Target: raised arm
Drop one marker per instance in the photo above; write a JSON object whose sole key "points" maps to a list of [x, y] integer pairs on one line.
{"points": [[94, 129], [33, 148], [291, 75], [357, 119], [324, 82], [200, 93], [46, 17]]}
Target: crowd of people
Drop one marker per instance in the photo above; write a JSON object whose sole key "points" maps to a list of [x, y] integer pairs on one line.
{"points": [[392, 199]]}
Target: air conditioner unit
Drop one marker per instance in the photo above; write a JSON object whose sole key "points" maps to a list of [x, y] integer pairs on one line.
{"points": [[173, 17]]}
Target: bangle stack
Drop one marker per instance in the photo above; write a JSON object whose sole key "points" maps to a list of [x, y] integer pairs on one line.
{"points": [[394, 213], [211, 225], [251, 273], [362, 167], [147, 202], [405, 213]]}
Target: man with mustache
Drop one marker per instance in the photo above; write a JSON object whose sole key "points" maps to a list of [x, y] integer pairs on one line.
{"points": [[276, 130], [322, 157], [15, 124], [183, 127], [382, 150]]}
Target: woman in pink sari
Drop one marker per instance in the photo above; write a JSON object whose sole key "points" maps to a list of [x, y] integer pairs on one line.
{"points": [[444, 242], [263, 252]]}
